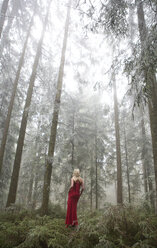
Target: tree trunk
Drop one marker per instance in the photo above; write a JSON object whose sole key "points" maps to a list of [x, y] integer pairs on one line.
{"points": [[29, 198], [48, 169], [17, 162], [10, 108], [73, 146], [147, 165], [33, 168], [91, 182], [96, 168], [118, 150], [34, 198], [3, 13], [127, 165], [65, 194], [144, 156], [150, 78]]}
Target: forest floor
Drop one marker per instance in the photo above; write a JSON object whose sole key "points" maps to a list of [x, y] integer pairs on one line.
{"points": [[113, 227]]}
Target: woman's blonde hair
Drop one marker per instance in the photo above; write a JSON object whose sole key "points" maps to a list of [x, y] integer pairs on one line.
{"points": [[76, 175]]}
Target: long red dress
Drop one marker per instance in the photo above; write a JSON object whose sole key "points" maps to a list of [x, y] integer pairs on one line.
{"points": [[73, 197]]}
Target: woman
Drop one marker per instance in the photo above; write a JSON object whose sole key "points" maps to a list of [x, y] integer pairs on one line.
{"points": [[73, 197]]}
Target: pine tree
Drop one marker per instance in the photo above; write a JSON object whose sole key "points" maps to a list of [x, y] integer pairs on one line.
{"points": [[118, 149], [17, 162], [15, 85], [48, 169], [150, 80]]}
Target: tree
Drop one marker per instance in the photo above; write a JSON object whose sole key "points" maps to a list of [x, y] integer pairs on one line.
{"points": [[150, 79], [118, 149], [16, 168], [127, 164], [15, 85], [48, 169]]}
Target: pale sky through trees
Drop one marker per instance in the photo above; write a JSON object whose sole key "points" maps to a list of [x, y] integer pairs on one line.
{"points": [[88, 53]]}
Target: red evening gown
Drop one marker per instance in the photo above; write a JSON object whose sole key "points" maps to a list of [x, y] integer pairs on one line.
{"points": [[73, 197]]}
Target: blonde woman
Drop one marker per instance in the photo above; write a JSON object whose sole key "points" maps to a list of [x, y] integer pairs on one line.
{"points": [[73, 197]]}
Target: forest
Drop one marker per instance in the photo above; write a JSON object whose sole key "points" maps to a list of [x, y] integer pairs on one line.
{"points": [[78, 90]]}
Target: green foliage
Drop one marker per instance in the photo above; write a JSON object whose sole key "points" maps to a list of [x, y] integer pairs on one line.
{"points": [[113, 227], [111, 16], [54, 210]]}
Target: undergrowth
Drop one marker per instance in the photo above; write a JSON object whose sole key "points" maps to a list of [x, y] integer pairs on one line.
{"points": [[114, 227]]}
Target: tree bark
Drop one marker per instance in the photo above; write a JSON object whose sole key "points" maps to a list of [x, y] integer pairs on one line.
{"points": [[127, 165], [3, 13], [33, 168], [118, 150], [16, 168], [34, 198], [147, 165], [73, 146], [29, 198], [48, 169], [96, 167], [65, 193], [150, 79], [91, 182], [10, 108], [143, 157]]}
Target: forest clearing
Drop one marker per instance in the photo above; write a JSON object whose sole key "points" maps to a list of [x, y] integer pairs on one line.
{"points": [[78, 123]]}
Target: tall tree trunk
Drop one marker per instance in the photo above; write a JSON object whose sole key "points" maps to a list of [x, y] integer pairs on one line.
{"points": [[34, 197], [143, 157], [33, 168], [96, 167], [48, 169], [91, 182], [30, 190], [150, 185], [16, 168], [127, 165], [65, 194], [150, 79], [3, 13], [146, 164], [73, 146], [10, 108], [118, 150]]}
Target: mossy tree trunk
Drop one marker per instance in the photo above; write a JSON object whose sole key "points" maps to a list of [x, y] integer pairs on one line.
{"points": [[17, 162], [146, 165], [53, 133], [118, 150], [144, 157], [150, 80]]}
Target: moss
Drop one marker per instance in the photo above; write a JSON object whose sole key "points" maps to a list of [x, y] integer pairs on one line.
{"points": [[114, 227]]}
